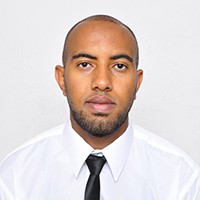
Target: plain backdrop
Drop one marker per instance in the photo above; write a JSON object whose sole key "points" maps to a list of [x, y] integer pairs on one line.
{"points": [[31, 41]]}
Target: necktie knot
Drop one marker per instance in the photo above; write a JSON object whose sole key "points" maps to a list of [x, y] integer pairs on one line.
{"points": [[95, 164]]}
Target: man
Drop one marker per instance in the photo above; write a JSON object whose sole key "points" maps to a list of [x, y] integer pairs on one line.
{"points": [[100, 78]]}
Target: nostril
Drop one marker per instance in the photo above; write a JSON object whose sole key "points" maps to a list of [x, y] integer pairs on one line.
{"points": [[103, 89], [102, 86]]}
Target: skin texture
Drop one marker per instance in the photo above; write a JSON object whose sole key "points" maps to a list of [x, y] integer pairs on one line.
{"points": [[100, 80]]}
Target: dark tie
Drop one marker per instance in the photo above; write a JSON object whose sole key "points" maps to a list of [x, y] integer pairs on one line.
{"points": [[95, 164]]}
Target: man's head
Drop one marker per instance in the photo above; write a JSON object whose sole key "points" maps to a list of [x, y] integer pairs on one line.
{"points": [[100, 76]]}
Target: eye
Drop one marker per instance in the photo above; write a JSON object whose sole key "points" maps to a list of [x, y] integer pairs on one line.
{"points": [[84, 65], [120, 67]]}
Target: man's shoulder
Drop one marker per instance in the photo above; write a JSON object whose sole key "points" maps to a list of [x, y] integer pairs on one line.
{"points": [[166, 162], [38, 143], [162, 147]]}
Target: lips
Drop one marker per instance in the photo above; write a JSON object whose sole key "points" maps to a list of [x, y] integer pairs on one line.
{"points": [[100, 104]]}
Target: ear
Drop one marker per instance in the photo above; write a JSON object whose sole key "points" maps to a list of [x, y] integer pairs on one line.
{"points": [[60, 77], [139, 78]]}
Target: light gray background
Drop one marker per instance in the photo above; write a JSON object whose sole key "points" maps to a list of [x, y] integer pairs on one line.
{"points": [[31, 40]]}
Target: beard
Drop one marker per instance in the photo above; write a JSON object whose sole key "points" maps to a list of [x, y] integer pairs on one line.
{"points": [[100, 126]]}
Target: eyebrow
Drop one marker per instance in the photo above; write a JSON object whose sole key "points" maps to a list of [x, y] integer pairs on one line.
{"points": [[118, 56], [84, 55], [115, 57]]}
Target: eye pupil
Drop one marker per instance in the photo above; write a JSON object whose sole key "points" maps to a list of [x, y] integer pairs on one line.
{"points": [[120, 66], [84, 64]]}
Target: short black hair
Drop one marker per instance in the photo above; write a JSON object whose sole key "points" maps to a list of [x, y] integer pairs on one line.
{"points": [[106, 18]]}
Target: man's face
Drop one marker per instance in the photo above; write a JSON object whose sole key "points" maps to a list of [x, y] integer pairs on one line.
{"points": [[100, 76]]}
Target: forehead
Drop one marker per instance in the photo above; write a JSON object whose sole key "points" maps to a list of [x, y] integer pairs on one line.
{"points": [[101, 35]]}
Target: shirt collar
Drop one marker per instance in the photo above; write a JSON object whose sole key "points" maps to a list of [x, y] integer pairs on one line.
{"points": [[117, 153], [78, 150]]}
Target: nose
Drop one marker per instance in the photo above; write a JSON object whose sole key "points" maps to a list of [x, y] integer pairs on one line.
{"points": [[102, 79]]}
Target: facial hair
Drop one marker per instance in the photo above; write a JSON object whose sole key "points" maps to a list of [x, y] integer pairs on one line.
{"points": [[100, 126]]}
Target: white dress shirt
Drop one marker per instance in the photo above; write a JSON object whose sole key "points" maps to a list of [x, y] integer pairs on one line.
{"points": [[140, 166]]}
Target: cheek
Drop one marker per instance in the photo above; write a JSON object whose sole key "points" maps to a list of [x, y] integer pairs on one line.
{"points": [[76, 89], [126, 89]]}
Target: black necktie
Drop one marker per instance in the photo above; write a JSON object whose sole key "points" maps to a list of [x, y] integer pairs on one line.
{"points": [[95, 164]]}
